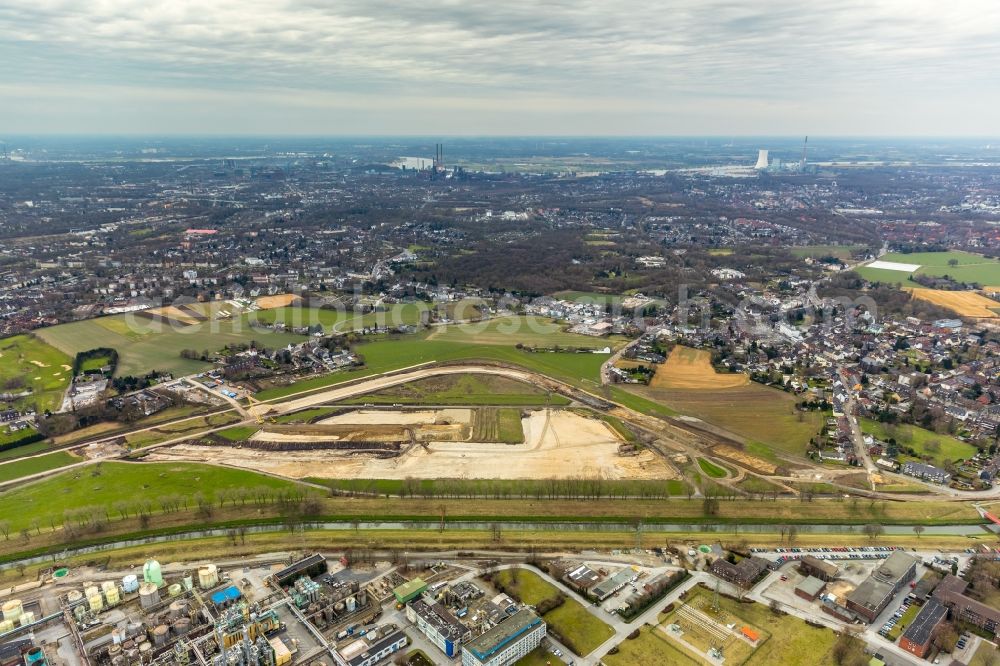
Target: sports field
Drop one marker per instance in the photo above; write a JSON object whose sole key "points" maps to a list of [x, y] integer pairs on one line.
{"points": [[972, 268], [276, 301], [528, 331], [688, 368], [963, 303], [144, 345], [27, 363]]}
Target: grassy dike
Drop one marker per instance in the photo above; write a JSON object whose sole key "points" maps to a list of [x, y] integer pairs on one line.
{"points": [[45, 538], [433, 540]]}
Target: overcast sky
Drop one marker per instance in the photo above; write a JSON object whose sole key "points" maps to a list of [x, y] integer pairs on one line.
{"points": [[606, 67]]}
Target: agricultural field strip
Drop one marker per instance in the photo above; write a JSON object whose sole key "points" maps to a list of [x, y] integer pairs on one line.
{"points": [[183, 436]]}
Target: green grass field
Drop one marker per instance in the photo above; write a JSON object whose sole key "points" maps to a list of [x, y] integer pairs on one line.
{"points": [[922, 441], [398, 314], [26, 450], [97, 363], [237, 433], [985, 655], [970, 268], [651, 647], [571, 620], [711, 469], [103, 485], [617, 425], [18, 468], [842, 252], [900, 626], [304, 416], [490, 487], [537, 657], [463, 390], [7, 436], [759, 414], [528, 331], [791, 642], [588, 297], [492, 424], [144, 345], [37, 366], [752, 484], [578, 369]]}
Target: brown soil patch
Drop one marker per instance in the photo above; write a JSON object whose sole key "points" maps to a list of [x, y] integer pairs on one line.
{"points": [[743, 458], [558, 444], [276, 301], [173, 313], [688, 368], [332, 433]]}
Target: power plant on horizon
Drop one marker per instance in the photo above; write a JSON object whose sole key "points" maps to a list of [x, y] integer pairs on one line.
{"points": [[766, 164]]}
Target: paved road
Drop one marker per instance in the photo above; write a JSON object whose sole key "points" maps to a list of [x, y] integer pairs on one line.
{"points": [[859, 440]]}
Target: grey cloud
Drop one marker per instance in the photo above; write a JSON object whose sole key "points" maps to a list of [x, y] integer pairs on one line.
{"points": [[655, 54]]}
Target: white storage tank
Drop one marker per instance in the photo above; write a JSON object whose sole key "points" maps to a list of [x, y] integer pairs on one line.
{"points": [[5, 626], [149, 596], [27, 618], [74, 596], [351, 604], [174, 590], [12, 610], [208, 576], [91, 591], [130, 584], [188, 581]]}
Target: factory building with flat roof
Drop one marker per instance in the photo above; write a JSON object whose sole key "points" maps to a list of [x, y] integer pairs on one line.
{"points": [[507, 642], [410, 590], [612, 584], [917, 637], [817, 568], [441, 627], [874, 593]]}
